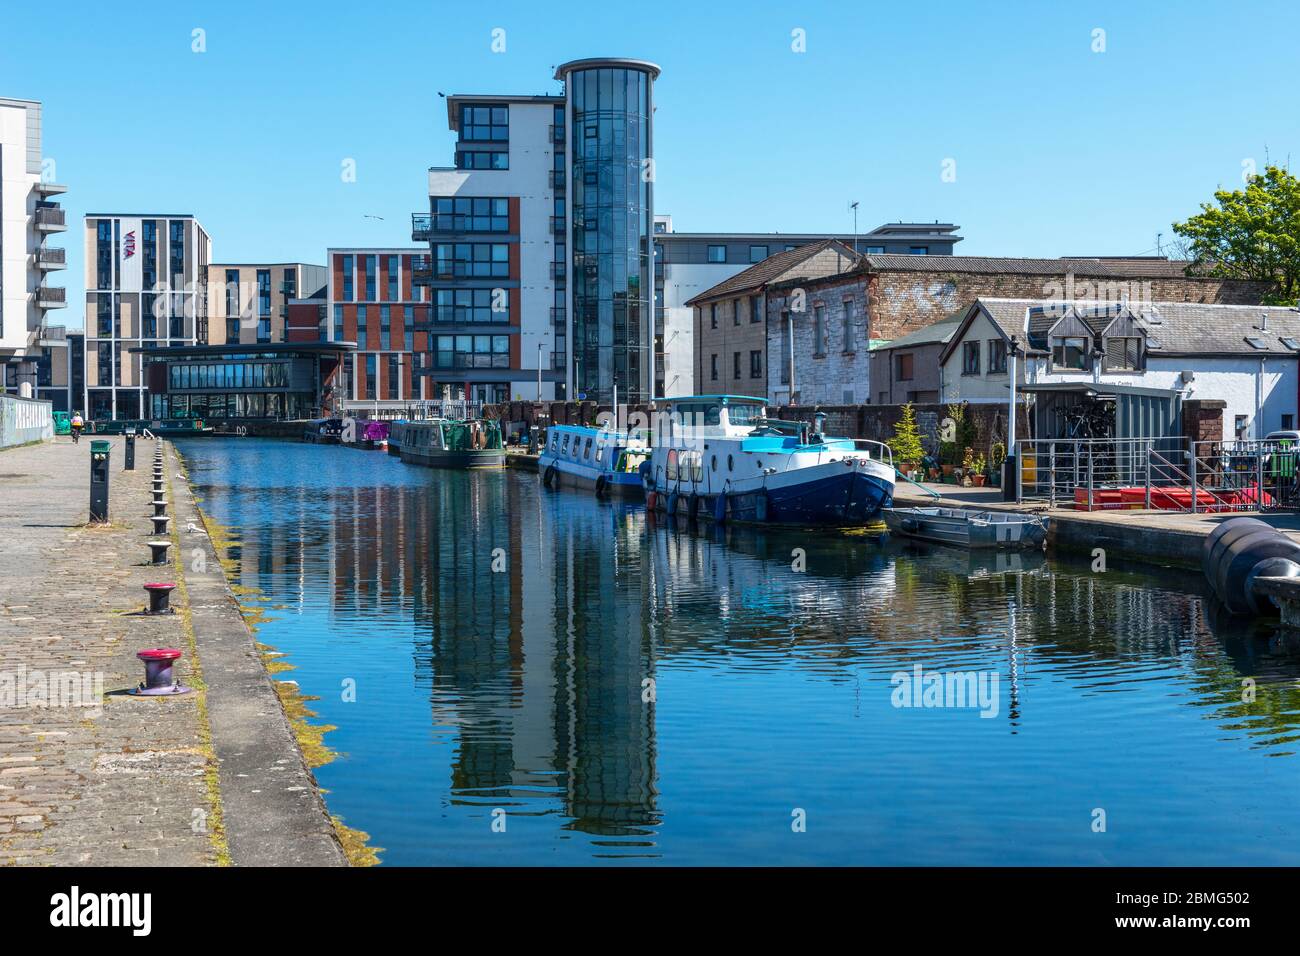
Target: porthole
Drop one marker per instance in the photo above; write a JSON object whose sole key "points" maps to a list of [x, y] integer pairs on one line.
{"points": [[713, 463], [730, 464]]}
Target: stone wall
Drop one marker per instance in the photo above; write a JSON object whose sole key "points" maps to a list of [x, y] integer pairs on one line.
{"points": [[876, 422], [835, 369]]}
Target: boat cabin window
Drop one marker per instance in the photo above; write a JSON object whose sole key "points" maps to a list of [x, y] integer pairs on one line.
{"points": [[586, 451], [743, 414], [555, 441], [697, 467], [600, 451], [565, 447]]}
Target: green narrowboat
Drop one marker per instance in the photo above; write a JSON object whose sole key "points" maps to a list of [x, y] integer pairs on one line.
{"points": [[447, 443]]}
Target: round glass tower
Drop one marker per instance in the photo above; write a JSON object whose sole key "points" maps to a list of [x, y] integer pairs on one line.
{"points": [[610, 166]]}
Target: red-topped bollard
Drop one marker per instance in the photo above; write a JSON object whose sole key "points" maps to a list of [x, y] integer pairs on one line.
{"points": [[158, 678], [159, 598]]}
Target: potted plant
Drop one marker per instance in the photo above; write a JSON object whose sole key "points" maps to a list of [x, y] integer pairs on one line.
{"points": [[906, 442], [979, 475], [997, 455]]}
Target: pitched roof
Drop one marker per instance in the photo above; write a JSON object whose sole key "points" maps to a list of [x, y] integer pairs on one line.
{"points": [[936, 333], [1111, 268], [773, 267], [1171, 328]]}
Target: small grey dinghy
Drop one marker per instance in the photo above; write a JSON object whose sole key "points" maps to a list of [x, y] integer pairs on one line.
{"points": [[968, 529]]}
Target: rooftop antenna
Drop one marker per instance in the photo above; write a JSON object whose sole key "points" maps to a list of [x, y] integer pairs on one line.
{"points": [[1159, 237]]}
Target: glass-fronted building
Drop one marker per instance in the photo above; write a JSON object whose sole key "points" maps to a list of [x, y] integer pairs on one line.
{"points": [[610, 173]]}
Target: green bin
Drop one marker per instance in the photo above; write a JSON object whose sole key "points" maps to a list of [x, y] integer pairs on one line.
{"points": [[99, 447]]}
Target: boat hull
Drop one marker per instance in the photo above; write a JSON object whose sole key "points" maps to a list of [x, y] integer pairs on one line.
{"points": [[967, 529], [829, 495], [570, 475], [438, 458]]}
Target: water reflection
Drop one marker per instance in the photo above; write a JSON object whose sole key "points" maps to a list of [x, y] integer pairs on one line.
{"points": [[608, 677]]}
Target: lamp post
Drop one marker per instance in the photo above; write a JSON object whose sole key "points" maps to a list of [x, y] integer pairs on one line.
{"points": [[1010, 472], [854, 206]]}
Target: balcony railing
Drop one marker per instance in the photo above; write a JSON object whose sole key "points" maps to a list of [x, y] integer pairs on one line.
{"points": [[53, 333], [421, 226], [421, 270], [50, 217], [48, 297], [52, 258]]}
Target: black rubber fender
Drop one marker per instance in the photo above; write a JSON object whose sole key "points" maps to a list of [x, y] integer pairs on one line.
{"points": [[548, 476], [1237, 565], [1213, 538], [602, 485], [1226, 540]]}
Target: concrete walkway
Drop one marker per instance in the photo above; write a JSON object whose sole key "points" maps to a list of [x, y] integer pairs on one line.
{"points": [[89, 775]]}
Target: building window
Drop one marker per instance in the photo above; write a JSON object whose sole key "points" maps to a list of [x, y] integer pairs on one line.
{"points": [[349, 264], [1070, 353], [735, 365], [338, 323], [290, 284], [875, 250], [717, 253], [757, 253], [848, 326], [735, 311], [392, 377], [385, 328], [177, 245], [392, 280], [756, 363], [1239, 426], [481, 124], [104, 254], [903, 367], [970, 358], [469, 306], [471, 214], [1123, 354], [369, 265], [997, 356], [361, 328], [713, 367], [482, 159], [755, 315], [919, 250], [471, 351], [481, 260], [1288, 422], [408, 327], [819, 330], [713, 315]]}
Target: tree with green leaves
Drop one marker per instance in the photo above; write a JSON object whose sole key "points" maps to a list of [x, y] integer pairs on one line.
{"points": [[1251, 233], [906, 443]]}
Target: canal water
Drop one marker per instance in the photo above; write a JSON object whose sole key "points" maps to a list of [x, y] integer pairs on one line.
{"points": [[527, 677]]}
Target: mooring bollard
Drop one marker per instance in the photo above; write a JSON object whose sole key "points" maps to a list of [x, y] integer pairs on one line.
{"points": [[159, 598], [160, 524], [159, 681], [159, 551], [129, 462], [159, 508]]}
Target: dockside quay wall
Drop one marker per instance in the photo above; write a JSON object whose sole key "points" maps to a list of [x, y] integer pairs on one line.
{"points": [[25, 420]]}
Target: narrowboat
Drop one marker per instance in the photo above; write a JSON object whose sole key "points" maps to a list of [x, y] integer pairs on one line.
{"points": [[370, 434], [961, 528], [323, 431], [446, 443], [395, 436], [598, 459], [720, 457]]}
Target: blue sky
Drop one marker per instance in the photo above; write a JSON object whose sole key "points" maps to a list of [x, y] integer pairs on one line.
{"points": [[1058, 150]]}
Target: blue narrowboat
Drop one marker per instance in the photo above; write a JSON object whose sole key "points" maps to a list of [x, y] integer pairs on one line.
{"points": [[596, 459]]}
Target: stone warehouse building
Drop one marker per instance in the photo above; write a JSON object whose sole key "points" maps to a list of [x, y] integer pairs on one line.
{"points": [[730, 332], [889, 296]]}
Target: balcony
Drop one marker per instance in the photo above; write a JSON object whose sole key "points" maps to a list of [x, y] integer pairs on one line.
{"points": [[50, 218], [52, 335], [421, 270], [49, 259], [48, 297], [557, 225], [50, 189], [421, 226]]}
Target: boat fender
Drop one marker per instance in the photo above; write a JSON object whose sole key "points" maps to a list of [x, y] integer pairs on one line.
{"points": [[720, 509], [909, 525], [692, 505], [601, 486], [651, 500], [548, 477], [760, 505], [672, 503]]}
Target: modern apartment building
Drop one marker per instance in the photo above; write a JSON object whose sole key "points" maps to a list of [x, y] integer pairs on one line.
{"points": [[688, 264], [33, 355], [372, 299], [145, 278], [540, 241], [249, 304]]}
